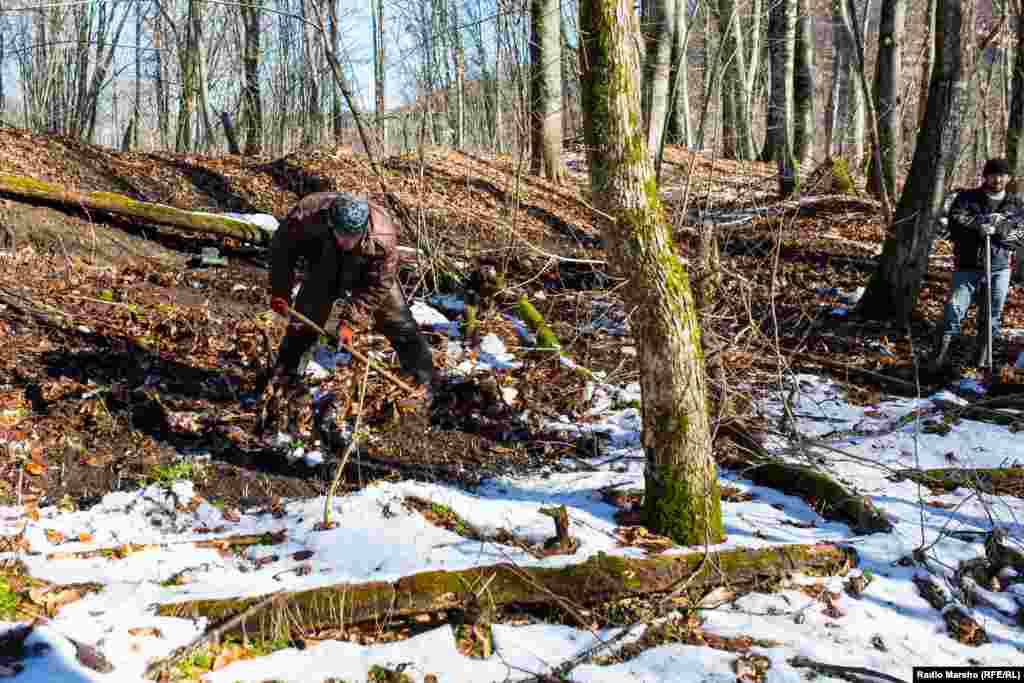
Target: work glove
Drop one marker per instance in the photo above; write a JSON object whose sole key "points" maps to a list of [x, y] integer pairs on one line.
{"points": [[987, 229], [279, 305], [344, 335]]}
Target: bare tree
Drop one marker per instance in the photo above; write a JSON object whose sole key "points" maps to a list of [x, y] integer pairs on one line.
{"points": [[252, 99], [680, 128], [682, 493], [893, 289], [844, 122], [739, 141], [1015, 128], [782, 52], [889, 66], [657, 69], [546, 89], [803, 85]]}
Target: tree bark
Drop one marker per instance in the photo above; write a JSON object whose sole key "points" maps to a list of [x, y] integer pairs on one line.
{"points": [[804, 124], [546, 90], [22, 186], [1015, 128], [682, 499], [782, 51], [252, 100], [599, 579], [680, 128], [738, 141], [459, 60], [845, 121], [928, 58], [189, 58], [893, 289], [379, 77], [889, 66], [657, 69]]}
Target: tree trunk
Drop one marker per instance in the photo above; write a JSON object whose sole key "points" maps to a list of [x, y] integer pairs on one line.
{"points": [[459, 60], [252, 100], [1015, 128], [682, 494], [680, 129], [844, 123], [189, 63], [3, 94], [754, 50], [137, 108], [804, 124], [739, 143], [229, 133], [598, 580], [657, 68], [887, 89], [893, 290], [546, 89], [781, 50], [163, 108], [378, 70], [927, 59]]}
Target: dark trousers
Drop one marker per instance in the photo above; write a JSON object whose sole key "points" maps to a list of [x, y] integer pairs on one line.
{"points": [[326, 279]]}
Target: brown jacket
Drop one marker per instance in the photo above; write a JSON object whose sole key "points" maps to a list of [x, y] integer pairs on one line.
{"points": [[364, 264]]}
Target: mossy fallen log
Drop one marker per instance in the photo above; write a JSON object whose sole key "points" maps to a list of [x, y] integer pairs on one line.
{"points": [[23, 186], [599, 579], [546, 338], [1000, 481], [830, 498]]}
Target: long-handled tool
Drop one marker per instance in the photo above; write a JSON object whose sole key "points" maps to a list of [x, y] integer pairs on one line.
{"points": [[388, 375], [988, 301]]}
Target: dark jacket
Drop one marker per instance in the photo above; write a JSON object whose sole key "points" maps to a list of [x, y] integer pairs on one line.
{"points": [[365, 265], [969, 210]]}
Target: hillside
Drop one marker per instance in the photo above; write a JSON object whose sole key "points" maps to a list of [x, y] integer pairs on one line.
{"points": [[126, 387]]}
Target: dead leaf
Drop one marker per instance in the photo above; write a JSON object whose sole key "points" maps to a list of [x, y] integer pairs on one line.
{"points": [[54, 536], [302, 555], [34, 468], [144, 631], [84, 537]]}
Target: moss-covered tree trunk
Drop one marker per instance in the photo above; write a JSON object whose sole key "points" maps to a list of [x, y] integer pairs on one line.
{"points": [[546, 89], [682, 496], [893, 290]]}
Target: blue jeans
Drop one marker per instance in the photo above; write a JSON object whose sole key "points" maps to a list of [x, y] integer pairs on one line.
{"points": [[966, 285]]}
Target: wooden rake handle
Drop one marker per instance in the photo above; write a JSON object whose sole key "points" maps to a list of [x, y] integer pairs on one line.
{"points": [[362, 358]]}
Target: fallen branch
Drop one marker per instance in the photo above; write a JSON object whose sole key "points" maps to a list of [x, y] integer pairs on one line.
{"points": [[597, 580], [849, 673], [31, 188], [997, 481], [266, 538], [845, 367], [832, 499]]}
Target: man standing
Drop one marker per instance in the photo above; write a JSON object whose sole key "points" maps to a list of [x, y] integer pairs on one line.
{"points": [[349, 244], [987, 211]]}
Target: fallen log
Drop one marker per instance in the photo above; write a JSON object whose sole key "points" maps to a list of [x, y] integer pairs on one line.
{"points": [[1000, 481], [31, 188], [832, 499], [599, 579]]}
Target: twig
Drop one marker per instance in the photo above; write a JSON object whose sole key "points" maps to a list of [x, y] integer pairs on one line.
{"points": [[211, 635], [348, 451], [387, 374], [850, 673]]}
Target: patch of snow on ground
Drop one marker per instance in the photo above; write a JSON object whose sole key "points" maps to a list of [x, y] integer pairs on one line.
{"points": [[890, 628]]}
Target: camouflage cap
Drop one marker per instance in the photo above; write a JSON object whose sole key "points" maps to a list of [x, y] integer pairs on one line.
{"points": [[349, 215]]}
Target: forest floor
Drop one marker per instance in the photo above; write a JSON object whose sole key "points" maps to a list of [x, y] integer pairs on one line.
{"points": [[129, 367]]}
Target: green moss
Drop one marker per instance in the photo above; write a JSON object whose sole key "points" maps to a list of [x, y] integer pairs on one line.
{"points": [[8, 600], [842, 182], [678, 509]]}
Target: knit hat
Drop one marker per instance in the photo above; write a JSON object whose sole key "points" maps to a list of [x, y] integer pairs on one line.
{"points": [[350, 215], [996, 167]]}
